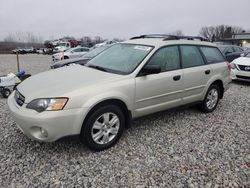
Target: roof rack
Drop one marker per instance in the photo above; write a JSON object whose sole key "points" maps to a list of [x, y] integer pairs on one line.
{"points": [[170, 37]]}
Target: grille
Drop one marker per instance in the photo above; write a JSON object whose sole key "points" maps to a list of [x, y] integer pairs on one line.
{"points": [[19, 98], [244, 68], [243, 77]]}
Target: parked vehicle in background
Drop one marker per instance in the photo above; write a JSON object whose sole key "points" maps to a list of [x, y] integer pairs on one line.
{"points": [[70, 53], [241, 68], [231, 52], [144, 75], [81, 60], [62, 47], [246, 49], [25, 50], [108, 42]]}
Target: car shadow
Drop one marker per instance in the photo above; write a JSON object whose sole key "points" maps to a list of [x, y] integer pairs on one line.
{"points": [[241, 83]]}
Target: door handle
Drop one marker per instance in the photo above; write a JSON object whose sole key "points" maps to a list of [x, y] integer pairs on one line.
{"points": [[207, 72], [176, 78]]}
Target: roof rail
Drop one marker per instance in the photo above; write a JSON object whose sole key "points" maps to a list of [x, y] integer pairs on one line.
{"points": [[169, 37]]}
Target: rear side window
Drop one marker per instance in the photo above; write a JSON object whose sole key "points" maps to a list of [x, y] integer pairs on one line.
{"points": [[191, 56], [167, 58], [77, 50], [84, 49], [212, 54], [237, 49]]}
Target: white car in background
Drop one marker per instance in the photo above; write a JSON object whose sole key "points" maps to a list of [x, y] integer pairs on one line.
{"points": [[241, 68], [70, 53]]}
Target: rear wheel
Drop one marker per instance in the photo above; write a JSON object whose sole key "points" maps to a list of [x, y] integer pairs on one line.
{"points": [[103, 128], [211, 100]]}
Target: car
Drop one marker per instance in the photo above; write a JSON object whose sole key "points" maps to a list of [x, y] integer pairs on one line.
{"points": [[231, 52], [81, 60], [241, 68], [24, 50], [70, 53], [246, 49], [141, 76]]}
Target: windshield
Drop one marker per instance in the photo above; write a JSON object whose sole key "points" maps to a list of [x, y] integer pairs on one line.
{"points": [[248, 55], [120, 58], [62, 44], [95, 52]]}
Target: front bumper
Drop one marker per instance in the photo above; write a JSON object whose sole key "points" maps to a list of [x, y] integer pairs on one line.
{"points": [[240, 75], [56, 124]]}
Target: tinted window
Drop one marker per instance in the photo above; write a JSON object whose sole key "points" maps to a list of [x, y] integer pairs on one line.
{"points": [[84, 49], [238, 49], [167, 57], [228, 50], [212, 54], [191, 56], [77, 50], [222, 48]]}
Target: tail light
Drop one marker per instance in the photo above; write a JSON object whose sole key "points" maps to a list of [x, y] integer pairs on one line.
{"points": [[229, 66]]}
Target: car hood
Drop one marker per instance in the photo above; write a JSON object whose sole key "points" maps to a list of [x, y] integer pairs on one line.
{"points": [[242, 61], [61, 82]]}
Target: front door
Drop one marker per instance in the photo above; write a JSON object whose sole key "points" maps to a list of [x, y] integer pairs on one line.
{"points": [[160, 91]]}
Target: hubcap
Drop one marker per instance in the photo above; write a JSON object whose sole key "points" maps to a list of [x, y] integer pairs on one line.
{"points": [[212, 99], [105, 128]]}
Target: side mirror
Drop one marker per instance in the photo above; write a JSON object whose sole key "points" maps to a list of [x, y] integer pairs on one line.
{"points": [[150, 69], [242, 55], [227, 53]]}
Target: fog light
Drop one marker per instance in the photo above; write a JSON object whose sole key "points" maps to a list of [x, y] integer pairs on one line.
{"points": [[44, 133]]}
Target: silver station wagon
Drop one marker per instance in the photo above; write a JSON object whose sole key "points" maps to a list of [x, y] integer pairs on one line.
{"points": [[98, 100]]}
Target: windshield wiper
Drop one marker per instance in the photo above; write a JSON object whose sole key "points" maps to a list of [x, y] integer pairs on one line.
{"points": [[98, 68]]}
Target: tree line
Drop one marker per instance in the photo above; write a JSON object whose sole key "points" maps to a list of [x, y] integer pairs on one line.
{"points": [[212, 33]]}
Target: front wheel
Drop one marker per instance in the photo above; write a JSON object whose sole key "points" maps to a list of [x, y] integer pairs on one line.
{"points": [[211, 100], [103, 128], [6, 93]]}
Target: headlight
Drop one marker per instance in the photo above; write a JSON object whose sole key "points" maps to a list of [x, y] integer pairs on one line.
{"points": [[41, 105], [233, 66]]}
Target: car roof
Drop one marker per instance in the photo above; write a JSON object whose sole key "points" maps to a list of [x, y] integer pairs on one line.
{"points": [[158, 42]]}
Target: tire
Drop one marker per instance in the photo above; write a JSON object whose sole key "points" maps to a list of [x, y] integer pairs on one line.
{"points": [[6, 93], [100, 137], [211, 99]]}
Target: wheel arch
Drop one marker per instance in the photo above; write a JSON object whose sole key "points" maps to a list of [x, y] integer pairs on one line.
{"points": [[121, 104], [219, 83]]}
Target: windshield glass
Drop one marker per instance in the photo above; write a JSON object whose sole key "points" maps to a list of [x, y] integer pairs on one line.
{"points": [[95, 52], [248, 55], [62, 44], [120, 58]]}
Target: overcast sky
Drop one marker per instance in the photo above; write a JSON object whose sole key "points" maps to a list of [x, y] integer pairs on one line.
{"points": [[118, 18]]}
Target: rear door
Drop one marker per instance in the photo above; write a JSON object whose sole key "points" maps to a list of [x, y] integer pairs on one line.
{"points": [[196, 73], [160, 91]]}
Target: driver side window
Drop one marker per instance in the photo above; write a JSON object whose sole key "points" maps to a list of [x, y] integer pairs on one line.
{"points": [[167, 58]]}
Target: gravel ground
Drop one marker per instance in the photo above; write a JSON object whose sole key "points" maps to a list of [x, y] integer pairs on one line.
{"points": [[178, 148]]}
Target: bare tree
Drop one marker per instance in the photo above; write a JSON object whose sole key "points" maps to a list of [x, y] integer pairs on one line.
{"points": [[177, 33], [25, 37], [216, 33]]}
